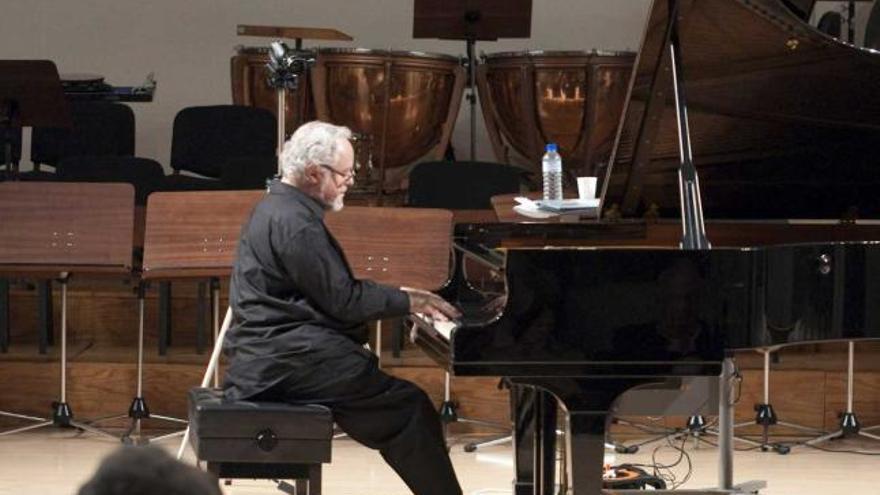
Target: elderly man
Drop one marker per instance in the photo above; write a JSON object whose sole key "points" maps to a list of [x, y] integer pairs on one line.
{"points": [[300, 317]]}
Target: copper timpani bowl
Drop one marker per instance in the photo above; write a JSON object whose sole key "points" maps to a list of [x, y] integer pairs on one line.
{"points": [[250, 87], [571, 98], [403, 103]]}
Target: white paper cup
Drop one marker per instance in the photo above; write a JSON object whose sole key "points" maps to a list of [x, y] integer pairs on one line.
{"points": [[586, 187]]}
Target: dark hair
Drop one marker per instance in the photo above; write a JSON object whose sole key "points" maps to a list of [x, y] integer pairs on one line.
{"points": [[148, 471]]}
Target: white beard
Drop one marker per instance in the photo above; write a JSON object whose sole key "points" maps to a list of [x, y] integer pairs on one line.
{"points": [[338, 203]]}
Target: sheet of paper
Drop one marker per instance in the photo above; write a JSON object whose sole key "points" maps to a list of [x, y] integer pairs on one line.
{"points": [[443, 328]]}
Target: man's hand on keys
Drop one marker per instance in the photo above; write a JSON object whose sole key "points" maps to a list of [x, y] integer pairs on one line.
{"points": [[430, 304]]}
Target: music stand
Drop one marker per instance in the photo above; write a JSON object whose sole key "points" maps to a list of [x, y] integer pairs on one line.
{"points": [[60, 230], [472, 20], [402, 247], [30, 96], [189, 235]]}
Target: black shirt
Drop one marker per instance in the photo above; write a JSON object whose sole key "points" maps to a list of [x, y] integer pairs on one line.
{"points": [[293, 296]]}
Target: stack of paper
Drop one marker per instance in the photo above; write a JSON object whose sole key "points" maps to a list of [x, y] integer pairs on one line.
{"points": [[546, 209]]}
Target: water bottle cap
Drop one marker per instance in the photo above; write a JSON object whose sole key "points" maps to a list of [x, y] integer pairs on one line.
{"points": [[550, 147]]}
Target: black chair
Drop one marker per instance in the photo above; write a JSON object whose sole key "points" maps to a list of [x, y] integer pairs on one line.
{"points": [[12, 137], [872, 30], [99, 129], [144, 174], [831, 23], [248, 172], [204, 138], [462, 185]]}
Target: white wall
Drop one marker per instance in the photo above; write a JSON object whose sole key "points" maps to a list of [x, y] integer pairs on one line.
{"points": [[188, 43], [862, 12]]}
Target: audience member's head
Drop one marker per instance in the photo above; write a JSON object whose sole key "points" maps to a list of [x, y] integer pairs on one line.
{"points": [[147, 471]]}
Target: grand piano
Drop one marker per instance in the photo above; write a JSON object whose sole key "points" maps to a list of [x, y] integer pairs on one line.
{"points": [[736, 212]]}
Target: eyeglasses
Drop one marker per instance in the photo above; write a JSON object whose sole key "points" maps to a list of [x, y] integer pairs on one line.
{"points": [[345, 176]]}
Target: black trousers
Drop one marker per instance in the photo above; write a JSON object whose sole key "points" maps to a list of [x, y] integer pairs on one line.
{"points": [[382, 412]]}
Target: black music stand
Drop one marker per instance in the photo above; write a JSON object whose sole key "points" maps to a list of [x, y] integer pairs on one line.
{"points": [[30, 96], [472, 20]]}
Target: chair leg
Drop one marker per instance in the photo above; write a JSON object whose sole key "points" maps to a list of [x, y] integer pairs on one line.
{"points": [[314, 479], [215, 321], [164, 317], [201, 311], [4, 314], [209, 371], [44, 303]]}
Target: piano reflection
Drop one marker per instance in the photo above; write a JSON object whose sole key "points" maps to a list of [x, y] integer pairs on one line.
{"points": [[738, 112]]}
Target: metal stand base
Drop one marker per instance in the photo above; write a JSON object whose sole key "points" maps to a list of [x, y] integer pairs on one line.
{"points": [[62, 415], [40, 422], [449, 414], [849, 425], [138, 411], [765, 415], [696, 428]]}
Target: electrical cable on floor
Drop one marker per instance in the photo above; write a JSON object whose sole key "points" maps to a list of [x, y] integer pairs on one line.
{"points": [[666, 472]]}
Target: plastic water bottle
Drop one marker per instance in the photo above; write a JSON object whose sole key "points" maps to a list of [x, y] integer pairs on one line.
{"points": [[551, 166]]}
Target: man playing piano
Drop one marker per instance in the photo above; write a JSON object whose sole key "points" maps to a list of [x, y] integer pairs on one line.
{"points": [[299, 317]]}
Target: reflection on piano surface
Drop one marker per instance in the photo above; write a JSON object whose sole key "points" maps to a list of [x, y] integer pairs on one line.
{"points": [[784, 124]]}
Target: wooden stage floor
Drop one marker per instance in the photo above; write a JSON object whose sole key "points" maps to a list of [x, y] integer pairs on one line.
{"points": [[56, 462]]}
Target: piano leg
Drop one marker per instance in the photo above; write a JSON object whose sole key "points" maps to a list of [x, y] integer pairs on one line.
{"points": [[545, 443], [534, 438], [522, 401], [586, 447]]}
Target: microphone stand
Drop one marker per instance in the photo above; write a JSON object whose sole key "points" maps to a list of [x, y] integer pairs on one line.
{"points": [[284, 69], [471, 17]]}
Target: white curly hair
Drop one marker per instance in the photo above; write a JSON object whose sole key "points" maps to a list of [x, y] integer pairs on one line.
{"points": [[314, 142]]}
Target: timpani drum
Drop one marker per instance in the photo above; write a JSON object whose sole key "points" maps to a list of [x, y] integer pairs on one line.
{"points": [[250, 87], [571, 98], [403, 103]]}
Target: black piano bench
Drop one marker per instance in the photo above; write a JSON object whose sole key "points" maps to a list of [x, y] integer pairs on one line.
{"points": [[261, 440]]}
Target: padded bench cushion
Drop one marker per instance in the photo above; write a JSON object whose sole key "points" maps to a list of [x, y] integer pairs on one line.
{"points": [[244, 431]]}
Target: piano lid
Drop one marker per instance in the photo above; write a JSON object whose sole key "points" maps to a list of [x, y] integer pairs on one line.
{"points": [[784, 120]]}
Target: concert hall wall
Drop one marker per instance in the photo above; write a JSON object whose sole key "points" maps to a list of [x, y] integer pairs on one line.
{"points": [[188, 43]]}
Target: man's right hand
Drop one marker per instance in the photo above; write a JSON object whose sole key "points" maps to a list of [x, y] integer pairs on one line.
{"points": [[430, 304]]}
